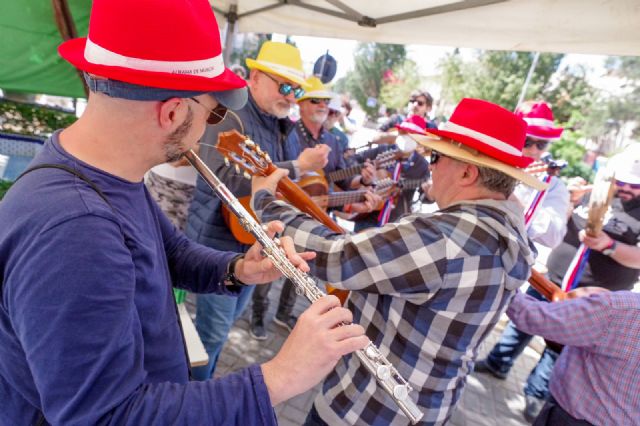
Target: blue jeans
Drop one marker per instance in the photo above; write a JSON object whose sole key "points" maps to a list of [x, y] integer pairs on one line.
{"points": [[510, 346], [215, 315]]}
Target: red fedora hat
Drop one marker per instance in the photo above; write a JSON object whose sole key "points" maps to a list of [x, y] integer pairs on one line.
{"points": [[539, 118], [413, 124], [168, 44], [489, 129]]}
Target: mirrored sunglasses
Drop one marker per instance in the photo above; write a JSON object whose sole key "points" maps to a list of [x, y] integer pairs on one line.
{"points": [[317, 101], [216, 115], [285, 89]]}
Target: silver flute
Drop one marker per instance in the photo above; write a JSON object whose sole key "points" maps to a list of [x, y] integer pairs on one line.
{"points": [[386, 375]]}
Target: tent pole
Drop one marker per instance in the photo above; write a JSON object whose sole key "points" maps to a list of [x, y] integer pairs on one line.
{"points": [[67, 29], [232, 18], [528, 79]]}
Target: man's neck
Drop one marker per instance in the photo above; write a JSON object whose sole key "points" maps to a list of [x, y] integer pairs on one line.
{"points": [[313, 128]]}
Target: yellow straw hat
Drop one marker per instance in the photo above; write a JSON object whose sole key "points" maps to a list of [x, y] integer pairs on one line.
{"points": [[315, 89], [281, 59]]}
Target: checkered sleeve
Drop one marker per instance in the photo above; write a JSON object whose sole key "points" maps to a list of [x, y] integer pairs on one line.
{"points": [[400, 258], [580, 322]]}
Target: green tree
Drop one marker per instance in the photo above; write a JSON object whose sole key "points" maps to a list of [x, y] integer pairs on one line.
{"points": [[495, 76], [371, 62]]}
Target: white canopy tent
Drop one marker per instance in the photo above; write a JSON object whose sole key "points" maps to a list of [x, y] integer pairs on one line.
{"points": [[610, 27]]}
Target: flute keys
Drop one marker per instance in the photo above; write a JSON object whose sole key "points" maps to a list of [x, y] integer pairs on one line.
{"points": [[400, 392], [383, 372], [371, 352]]}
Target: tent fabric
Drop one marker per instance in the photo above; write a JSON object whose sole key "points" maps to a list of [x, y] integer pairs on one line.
{"points": [[608, 27], [29, 39]]}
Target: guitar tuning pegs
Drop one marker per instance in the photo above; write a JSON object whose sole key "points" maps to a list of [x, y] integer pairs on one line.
{"points": [[226, 162], [237, 168], [250, 143], [266, 156], [246, 175]]}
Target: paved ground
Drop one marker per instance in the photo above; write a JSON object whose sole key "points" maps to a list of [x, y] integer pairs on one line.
{"points": [[486, 401]]}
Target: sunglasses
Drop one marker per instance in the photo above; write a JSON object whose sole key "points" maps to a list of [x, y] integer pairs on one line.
{"points": [[333, 113], [435, 157], [417, 101], [285, 89], [317, 101], [216, 115], [541, 145], [621, 184]]}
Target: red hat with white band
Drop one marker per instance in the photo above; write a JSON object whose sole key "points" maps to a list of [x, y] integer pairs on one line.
{"points": [[167, 44], [483, 134], [539, 118], [413, 124]]}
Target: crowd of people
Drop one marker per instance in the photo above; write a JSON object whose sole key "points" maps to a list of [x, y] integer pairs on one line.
{"points": [[110, 218]]}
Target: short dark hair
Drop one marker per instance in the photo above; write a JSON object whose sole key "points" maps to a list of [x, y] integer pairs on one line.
{"points": [[424, 93], [496, 181]]}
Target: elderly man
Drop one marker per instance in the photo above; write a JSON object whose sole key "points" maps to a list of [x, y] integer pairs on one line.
{"points": [[275, 82], [430, 287], [88, 327], [545, 219]]}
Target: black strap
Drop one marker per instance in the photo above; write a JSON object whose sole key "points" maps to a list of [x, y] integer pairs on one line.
{"points": [[73, 172]]}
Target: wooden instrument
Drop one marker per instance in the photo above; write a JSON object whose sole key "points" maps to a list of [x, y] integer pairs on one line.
{"points": [[600, 200], [549, 290], [245, 154], [382, 160]]}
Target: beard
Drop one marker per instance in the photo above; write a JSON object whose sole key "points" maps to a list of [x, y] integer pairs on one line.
{"points": [[281, 109], [174, 147]]}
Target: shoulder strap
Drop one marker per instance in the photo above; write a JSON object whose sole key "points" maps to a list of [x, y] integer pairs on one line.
{"points": [[73, 172]]}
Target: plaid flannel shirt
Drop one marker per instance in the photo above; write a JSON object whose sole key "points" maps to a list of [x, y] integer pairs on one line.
{"points": [[596, 378], [429, 289]]}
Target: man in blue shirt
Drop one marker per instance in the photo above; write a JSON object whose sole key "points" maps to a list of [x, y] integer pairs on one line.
{"points": [[88, 328]]}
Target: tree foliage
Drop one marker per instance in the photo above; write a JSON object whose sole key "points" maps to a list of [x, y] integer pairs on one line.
{"points": [[371, 62], [403, 79]]}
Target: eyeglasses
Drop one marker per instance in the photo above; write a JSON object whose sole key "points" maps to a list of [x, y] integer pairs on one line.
{"points": [[216, 115], [333, 113], [417, 101], [285, 89], [317, 101], [621, 184], [541, 145], [435, 157]]}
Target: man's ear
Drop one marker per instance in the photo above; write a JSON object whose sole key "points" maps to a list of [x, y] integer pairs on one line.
{"points": [[171, 112], [470, 175]]}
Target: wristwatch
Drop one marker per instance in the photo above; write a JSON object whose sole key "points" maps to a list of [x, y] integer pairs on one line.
{"points": [[608, 251], [229, 279]]}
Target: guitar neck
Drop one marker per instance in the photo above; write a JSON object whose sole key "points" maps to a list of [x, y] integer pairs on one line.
{"points": [[342, 174], [348, 197], [412, 183]]}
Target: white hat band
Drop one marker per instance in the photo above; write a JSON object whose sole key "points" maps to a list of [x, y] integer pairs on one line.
{"points": [[209, 68], [489, 140], [541, 122], [282, 69]]}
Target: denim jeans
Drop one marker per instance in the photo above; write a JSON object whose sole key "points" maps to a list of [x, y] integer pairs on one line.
{"points": [[215, 315], [510, 346], [285, 306]]}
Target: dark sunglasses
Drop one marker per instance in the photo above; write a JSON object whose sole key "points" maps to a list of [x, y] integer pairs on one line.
{"points": [[417, 101], [541, 145], [621, 184], [216, 115], [435, 157], [285, 89], [333, 113], [317, 101]]}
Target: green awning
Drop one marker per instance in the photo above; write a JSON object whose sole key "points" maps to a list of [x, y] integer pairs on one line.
{"points": [[29, 39]]}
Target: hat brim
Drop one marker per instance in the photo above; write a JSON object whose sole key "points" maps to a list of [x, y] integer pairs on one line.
{"points": [[545, 133], [452, 149], [317, 94], [233, 99], [73, 51], [512, 160], [291, 76]]}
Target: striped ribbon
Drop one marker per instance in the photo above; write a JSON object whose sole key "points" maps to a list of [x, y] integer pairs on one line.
{"points": [[576, 268], [537, 201], [385, 213]]}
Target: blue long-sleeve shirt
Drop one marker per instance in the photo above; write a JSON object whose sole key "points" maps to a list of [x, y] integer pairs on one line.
{"points": [[89, 333]]}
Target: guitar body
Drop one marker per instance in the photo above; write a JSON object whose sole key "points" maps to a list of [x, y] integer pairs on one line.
{"points": [[237, 230]]}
